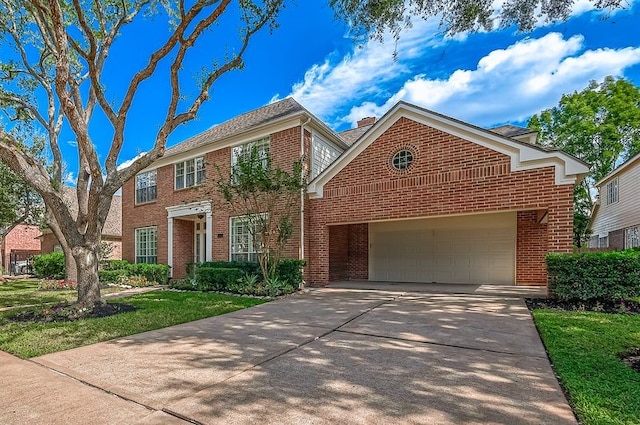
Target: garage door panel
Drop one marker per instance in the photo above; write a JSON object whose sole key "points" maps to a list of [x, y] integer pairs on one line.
{"points": [[469, 249]]}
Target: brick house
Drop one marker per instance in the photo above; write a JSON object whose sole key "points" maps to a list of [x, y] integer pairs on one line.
{"points": [[615, 221], [414, 197], [21, 243]]}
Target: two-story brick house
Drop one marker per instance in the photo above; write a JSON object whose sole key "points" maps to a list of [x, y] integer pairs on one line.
{"points": [[615, 221], [415, 196]]}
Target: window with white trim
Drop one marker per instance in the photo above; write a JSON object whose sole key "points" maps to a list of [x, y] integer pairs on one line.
{"points": [[632, 237], [147, 245], [189, 173], [603, 242], [245, 240], [612, 191], [323, 154], [244, 151], [146, 187]]}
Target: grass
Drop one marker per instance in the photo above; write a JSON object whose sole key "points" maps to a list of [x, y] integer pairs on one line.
{"points": [[25, 292], [155, 310], [584, 348]]}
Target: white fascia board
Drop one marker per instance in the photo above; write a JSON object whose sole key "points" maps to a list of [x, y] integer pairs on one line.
{"points": [[567, 168], [618, 170], [199, 207]]}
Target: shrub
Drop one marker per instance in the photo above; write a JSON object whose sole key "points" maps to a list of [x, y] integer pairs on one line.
{"points": [[248, 284], [50, 265], [216, 279], [274, 287], [112, 276], [289, 270], [183, 284], [135, 281], [594, 275], [116, 265], [158, 273], [57, 285], [245, 266]]}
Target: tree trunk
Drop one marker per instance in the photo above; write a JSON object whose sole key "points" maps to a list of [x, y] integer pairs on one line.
{"points": [[70, 268], [86, 259]]}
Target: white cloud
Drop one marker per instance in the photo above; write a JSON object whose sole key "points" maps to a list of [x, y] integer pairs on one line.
{"points": [[362, 72], [509, 84], [128, 162]]}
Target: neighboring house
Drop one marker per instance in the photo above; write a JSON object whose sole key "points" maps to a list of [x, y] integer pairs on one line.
{"points": [[414, 197], [111, 233], [19, 245], [615, 221]]}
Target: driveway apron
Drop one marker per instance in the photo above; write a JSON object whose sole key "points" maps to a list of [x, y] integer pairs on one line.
{"points": [[334, 356]]}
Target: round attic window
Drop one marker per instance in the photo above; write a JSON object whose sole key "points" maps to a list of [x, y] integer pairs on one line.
{"points": [[402, 160]]}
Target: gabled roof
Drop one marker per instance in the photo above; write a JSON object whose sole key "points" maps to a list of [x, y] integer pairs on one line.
{"points": [[622, 167], [523, 155], [353, 134], [240, 124], [509, 130]]}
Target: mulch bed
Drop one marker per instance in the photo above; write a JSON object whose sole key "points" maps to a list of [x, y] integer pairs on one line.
{"points": [[632, 358], [601, 306], [70, 313]]}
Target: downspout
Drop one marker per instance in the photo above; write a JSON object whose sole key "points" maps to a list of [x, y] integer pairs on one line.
{"points": [[302, 191]]}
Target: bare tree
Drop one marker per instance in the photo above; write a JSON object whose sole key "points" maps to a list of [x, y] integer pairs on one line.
{"points": [[55, 78]]}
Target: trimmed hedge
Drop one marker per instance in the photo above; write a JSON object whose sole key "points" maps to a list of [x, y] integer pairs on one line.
{"points": [[50, 265], [158, 273], [289, 270], [217, 279], [112, 276], [594, 275]]}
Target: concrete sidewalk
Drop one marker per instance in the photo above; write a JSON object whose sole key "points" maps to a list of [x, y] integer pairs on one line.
{"points": [[328, 356]]}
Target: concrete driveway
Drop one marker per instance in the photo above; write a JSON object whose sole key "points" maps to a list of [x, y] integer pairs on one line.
{"points": [[325, 357]]}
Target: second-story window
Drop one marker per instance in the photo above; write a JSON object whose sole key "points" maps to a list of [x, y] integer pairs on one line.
{"points": [[612, 191], [244, 152], [189, 173], [146, 187]]}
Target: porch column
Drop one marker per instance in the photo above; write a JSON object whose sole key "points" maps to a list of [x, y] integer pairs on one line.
{"points": [[170, 245], [209, 236]]}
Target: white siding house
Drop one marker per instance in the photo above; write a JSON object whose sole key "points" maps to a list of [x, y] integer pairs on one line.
{"points": [[615, 222]]}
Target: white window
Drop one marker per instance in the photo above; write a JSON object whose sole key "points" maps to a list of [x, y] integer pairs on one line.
{"points": [[603, 242], [147, 245], [245, 240], [632, 237], [244, 152], [189, 173], [612, 191], [322, 155], [146, 187]]}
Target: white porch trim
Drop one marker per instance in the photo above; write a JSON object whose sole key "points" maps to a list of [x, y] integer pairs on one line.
{"points": [[193, 208]]}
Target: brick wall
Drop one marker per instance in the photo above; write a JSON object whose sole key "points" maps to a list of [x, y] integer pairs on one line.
{"points": [[285, 149], [449, 176], [616, 239], [339, 253], [531, 248], [21, 238], [359, 251]]}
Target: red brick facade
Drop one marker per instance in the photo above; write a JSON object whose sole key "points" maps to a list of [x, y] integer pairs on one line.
{"points": [[22, 238], [449, 176], [284, 149]]}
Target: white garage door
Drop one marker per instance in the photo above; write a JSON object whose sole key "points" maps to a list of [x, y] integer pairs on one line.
{"points": [[467, 249]]}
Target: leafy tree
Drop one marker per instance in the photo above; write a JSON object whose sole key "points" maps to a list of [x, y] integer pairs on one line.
{"points": [[54, 56], [19, 203], [601, 126], [374, 17], [267, 197]]}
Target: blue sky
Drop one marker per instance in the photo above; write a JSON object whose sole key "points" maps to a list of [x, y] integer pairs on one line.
{"points": [[485, 78]]}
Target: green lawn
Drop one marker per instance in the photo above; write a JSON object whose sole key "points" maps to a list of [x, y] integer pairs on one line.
{"points": [[155, 310], [584, 348], [25, 292]]}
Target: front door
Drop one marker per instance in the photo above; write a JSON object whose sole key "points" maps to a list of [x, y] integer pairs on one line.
{"points": [[199, 240]]}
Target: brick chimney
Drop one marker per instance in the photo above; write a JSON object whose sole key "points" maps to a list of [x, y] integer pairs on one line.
{"points": [[367, 121]]}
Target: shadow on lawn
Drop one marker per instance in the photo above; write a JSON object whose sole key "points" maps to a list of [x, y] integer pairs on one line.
{"points": [[316, 358]]}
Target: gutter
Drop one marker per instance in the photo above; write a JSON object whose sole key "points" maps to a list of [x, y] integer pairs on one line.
{"points": [[303, 190]]}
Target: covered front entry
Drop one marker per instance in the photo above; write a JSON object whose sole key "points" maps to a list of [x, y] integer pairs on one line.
{"points": [[464, 249], [188, 235]]}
